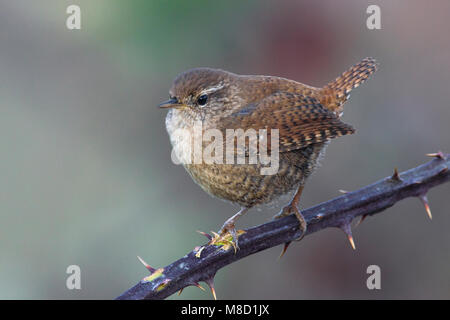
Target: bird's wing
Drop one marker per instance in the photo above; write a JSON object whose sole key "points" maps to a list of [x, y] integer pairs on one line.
{"points": [[301, 120]]}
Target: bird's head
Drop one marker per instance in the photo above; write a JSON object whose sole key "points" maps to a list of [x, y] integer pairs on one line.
{"points": [[202, 91]]}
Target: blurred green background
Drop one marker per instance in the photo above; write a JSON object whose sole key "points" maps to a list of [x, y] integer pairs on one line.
{"points": [[86, 175]]}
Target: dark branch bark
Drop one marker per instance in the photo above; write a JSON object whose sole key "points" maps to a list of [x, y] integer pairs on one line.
{"points": [[338, 212]]}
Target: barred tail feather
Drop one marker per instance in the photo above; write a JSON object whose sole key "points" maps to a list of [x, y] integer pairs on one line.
{"points": [[335, 93]]}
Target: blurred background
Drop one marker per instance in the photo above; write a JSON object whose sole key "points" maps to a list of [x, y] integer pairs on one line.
{"points": [[86, 175]]}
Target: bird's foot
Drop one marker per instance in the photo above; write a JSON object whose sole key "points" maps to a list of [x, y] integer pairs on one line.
{"points": [[227, 237], [292, 208]]}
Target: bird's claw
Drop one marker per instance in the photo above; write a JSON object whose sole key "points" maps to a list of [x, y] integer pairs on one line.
{"points": [[226, 238], [289, 209]]}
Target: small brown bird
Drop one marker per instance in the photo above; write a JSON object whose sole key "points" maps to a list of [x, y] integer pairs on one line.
{"points": [[306, 119]]}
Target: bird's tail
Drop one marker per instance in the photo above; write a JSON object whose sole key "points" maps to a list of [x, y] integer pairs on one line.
{"points": [[335, 93]]}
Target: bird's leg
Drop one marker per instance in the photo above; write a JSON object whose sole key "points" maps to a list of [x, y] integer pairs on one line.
{"points": [[229, 228], [292, 207]]}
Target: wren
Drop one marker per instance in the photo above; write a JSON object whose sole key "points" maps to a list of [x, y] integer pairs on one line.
{"points": [[306, 118]]}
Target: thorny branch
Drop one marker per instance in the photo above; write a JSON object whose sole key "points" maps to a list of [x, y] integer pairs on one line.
{"points": [[202, 264]]}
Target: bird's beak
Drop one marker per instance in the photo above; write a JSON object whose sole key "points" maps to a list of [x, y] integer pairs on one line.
{"points": [[171, 103]]}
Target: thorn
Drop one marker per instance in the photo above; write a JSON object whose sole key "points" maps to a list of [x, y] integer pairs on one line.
{"points": [[348, 231], [438, 155], [205, 234], [146, 265], [363, 217], [210, 283], [198, 286], [424, 200], [286, 246], [343, 191], [395, 176], [215, 234], [199, 251], [352, 243], [192, 284]]}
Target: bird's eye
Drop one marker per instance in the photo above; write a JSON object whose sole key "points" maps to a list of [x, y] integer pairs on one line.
{"points": [[202, 99]]}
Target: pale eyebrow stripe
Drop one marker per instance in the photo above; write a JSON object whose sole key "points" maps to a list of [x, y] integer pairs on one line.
{"points": [[212, 89]]}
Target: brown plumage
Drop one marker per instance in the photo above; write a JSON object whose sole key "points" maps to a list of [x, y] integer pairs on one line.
{"points": [[306, 119]]}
